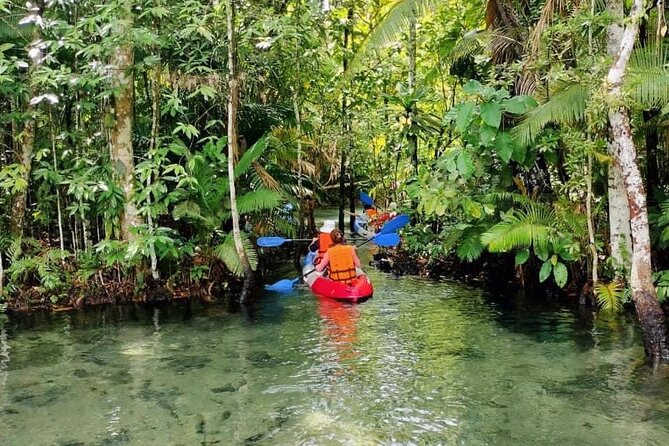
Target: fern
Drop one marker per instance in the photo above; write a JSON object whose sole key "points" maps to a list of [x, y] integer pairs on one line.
{"points": [[258, 200], [227, 253], [521, 229], [609, 296], [470, 248], [648, 78], [565, 107]]}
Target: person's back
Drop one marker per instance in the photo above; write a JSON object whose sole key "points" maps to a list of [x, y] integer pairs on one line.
{"points": [[341, 259]]}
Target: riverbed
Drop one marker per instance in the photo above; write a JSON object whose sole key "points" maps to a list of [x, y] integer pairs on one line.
{"points": [[422, 362]]}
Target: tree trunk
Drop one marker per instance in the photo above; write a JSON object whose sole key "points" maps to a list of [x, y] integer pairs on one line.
{"points": [[619, 211], [24, 158], [412, 138], [121, 133], [233, 149], [644, 295], [26, 142], [346, 123]]}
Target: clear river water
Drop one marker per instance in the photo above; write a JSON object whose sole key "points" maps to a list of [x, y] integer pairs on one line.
{"points": [[421, 363]]}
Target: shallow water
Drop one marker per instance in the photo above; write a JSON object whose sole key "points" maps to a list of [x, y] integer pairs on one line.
{"points": [[420, 363]]}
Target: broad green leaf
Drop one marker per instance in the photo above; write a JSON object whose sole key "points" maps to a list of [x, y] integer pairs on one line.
{"points": [[560, 273], [464, 116], [487, 135], [491, 113], [522, 256], [472, 87], [504, 146], [518, 105], [545, 271], [465, 165]]}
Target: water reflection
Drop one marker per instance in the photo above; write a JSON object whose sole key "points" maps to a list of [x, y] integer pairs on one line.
{"points": [[341, 320]]}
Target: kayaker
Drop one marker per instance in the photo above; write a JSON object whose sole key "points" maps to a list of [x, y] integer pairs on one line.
{"points": [[323, 241], [340, 259]]}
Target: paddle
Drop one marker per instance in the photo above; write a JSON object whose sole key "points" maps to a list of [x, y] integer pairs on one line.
{"points": [[273, 242], [385, 240], [366, 199]]}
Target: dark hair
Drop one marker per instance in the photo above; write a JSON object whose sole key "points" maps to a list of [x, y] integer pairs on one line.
{"points": [[337, 236], [367, 206]]}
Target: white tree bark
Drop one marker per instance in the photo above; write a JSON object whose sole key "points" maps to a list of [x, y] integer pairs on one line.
{"points": [[619, 211], [648, 308]]}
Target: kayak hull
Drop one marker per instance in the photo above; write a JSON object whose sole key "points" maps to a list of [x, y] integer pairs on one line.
{"points": [[360, 227], [359, 291]]}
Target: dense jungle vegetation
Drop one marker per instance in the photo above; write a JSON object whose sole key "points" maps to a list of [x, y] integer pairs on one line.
{"points": [[145, 144]]}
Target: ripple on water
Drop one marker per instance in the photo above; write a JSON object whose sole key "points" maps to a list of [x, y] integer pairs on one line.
{"points": [[421, 363]]}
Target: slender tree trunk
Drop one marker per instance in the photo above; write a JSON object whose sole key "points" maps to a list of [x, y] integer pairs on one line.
{"points": [[412, 138], [61, 237], [644, 295], [233, 149], [619, 210], [155, 129], [121, 133], [346, 122], [591, 226]]}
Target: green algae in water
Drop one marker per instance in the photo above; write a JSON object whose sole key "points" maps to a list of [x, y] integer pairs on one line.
{"points": [[421, 362]]}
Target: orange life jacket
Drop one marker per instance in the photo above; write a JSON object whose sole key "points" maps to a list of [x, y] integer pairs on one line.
{"points": [[324, 242], [342, 265], [371, 213]]}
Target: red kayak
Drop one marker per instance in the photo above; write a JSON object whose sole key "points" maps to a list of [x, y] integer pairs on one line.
{"points": [[359, 290]]}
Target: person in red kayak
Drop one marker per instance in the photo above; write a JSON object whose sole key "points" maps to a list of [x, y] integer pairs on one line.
{"points": [[323, 241], [340, 259]]}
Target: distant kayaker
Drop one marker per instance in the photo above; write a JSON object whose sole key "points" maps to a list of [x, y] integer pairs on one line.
{"points": [[323, 241], [340, 259]]}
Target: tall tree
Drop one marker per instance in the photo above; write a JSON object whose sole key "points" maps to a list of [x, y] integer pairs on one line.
{"points": [[122, 59], [26, 142], [619, 210], [644, 294], [233, 147]]}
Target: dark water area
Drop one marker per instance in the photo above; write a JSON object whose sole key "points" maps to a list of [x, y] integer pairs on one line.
{"points": [[422, 362]]}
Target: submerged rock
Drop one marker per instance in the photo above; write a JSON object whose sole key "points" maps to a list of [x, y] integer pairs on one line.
{"points": [[81, 373]]}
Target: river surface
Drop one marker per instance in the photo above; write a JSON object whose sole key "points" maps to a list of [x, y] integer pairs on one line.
{"points": [[421, 363]]}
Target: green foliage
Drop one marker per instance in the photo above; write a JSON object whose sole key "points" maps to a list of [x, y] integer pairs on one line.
{"points": [[227, 253], [661, 281], [609, 296]]}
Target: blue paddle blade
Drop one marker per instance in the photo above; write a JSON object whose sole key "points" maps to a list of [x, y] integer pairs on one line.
{"points": [[366, 199], [282, 286], [396, 223], [386, 240], [270, 242]]}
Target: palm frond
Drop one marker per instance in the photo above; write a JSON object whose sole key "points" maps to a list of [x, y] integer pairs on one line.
{"points": [[521, 229], [250, 156], [648, 76], [470, 248], [258, 200], [227, 253], [396, 19], [565, 107], [471, 44], [609, 296]]}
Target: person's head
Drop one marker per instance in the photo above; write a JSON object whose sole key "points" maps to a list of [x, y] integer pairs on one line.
{"points": [[328, 226], [337, 236], [366, 206]]}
